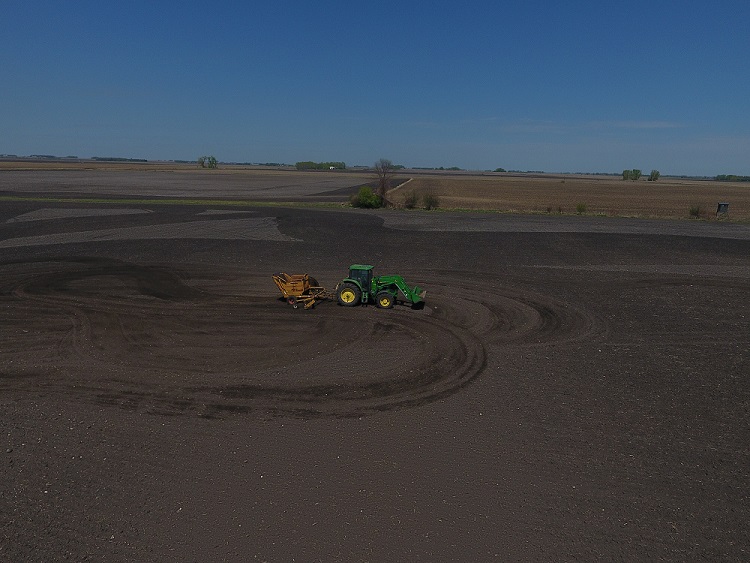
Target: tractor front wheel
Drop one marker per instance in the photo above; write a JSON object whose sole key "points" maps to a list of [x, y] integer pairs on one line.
{"points": [[349, 295], [384, 300]]}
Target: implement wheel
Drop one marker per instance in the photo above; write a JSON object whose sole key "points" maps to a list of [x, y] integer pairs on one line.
{"points": [[349, 295], [384, 300]]}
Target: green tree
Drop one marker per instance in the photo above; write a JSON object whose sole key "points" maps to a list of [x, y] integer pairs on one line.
{"points": [[633, 174], [654, 176], [208, 162]]}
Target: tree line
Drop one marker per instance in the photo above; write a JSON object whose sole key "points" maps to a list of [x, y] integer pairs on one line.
{"points": [[310, 165], [636, 174], [117, 159], [732, 178]]}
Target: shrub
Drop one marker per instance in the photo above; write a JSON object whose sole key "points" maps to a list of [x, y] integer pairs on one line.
{"points": [[365, 198], [411, 201], [430, 201], [695, 211], [581, 208]]}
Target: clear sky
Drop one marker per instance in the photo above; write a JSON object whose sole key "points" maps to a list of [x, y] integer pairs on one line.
{"points": [[559, 86]]}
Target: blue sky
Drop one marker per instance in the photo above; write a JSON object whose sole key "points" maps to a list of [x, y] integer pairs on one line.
{"points": [[589, 86]]}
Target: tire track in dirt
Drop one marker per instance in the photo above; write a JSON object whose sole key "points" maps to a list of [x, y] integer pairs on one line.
{"points": [[505, 315], [169, 348], [167, 342]]}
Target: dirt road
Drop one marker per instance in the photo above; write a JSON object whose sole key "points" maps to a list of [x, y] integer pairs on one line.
{"points": [[566, 394]]}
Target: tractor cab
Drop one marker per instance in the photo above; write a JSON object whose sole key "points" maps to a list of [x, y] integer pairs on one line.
{"points": [[362, 274]]}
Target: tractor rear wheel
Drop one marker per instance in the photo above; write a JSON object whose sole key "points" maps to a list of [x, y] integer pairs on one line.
{"points": [[384, 300], [349, 295]]}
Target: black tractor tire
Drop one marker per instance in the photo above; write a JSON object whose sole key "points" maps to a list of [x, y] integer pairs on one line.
{"points": [[349, 295], [385, 300]]}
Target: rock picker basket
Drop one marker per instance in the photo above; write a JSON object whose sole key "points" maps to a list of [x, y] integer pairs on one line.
{"points": [[301, 289]]}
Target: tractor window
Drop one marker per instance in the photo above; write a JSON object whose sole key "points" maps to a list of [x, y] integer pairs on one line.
{"points": [[362, 276]]}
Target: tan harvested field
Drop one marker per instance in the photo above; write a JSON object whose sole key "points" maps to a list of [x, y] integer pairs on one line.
{"points": [[602, 195]]}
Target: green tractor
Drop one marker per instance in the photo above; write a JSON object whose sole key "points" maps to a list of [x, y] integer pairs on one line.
{"points": [[362, 287]]}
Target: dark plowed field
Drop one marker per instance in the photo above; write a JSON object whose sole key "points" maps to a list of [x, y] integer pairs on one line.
{"points": [[574, 389]]}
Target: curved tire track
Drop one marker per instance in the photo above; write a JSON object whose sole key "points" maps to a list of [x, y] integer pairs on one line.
{"points": [[149, 338]]}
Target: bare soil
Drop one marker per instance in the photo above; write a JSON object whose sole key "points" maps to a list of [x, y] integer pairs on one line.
{"points": [[574, 389]]}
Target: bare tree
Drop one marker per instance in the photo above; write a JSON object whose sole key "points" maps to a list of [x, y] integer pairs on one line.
{"points": [[384, 169]]}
